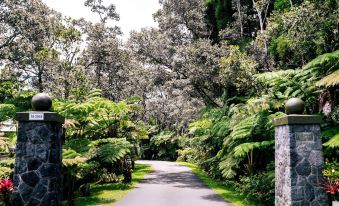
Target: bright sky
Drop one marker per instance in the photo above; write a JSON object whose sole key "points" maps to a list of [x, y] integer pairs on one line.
{"points": [[134, 14]]}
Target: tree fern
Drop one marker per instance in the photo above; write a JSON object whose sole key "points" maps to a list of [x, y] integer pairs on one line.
{"points": [[242, 130], [243, 149], [333, 142], [109, 150], [71, 158], [331, 134], [329, 80]]}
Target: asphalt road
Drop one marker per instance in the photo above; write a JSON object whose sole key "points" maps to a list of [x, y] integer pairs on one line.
{"points": [[171, 184]]}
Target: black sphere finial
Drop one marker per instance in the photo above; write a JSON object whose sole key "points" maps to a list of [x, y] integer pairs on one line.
{"points": [[41, 102], [294, 106]]}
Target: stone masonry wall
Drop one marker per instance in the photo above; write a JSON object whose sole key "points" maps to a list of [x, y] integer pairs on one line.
{"points": [[37, 174], [299, 164]]}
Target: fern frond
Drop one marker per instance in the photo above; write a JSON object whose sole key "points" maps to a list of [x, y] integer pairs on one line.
{"points": [[71, 157], [329, 80], [109, 150], [242, 149], [243, 129], [333, 142]]}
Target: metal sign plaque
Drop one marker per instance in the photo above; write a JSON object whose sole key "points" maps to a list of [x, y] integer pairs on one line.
{"points": [[304, 136], [36, 116]]}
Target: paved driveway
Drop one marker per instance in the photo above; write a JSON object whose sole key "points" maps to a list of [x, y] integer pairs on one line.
{"points": [[171, 184]]}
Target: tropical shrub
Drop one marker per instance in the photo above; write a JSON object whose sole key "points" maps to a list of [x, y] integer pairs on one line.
{"points": [[164, 146], [259, 187]]}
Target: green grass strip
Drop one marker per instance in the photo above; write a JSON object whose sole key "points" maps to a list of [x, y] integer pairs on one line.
{"points": [[108, 194], [229, 194]]}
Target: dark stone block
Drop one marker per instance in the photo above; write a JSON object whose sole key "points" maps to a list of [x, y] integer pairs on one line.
{"points": [[39, 191], [30, 150], [313, 180], [48, 170], [20, 166], [22, 137], [25, 191], [16, 180], [43, 132], [30, 178], [33, 202], [315, 203], [303, 168], [309, 193], [33, 164], [295, 158], [301, 181], [50, 199], [41, 152], [20, 150], [297, 193], [17, 201], [36, 139], [53, 137], [316, 158], [294, 181]]}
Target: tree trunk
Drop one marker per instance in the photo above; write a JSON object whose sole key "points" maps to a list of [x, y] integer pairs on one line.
{"points": [[240, 18], [40, 86]]}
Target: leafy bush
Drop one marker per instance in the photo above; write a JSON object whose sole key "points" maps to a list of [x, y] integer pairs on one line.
{"points": [[164, 146], [5, 172], [7, 111], [259, 187], [6, 168]]}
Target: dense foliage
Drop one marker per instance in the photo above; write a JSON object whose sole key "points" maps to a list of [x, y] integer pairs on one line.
{"points": [[203, 87]]}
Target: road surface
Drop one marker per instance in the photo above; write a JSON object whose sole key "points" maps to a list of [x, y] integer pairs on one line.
{"points": [[171, 184]]}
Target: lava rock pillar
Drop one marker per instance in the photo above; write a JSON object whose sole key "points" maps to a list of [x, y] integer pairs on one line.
{"points": [[298, 161], [38, 163]]}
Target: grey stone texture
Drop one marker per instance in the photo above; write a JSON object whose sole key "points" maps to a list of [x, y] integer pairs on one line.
{"points": [[38, 164], [298, 166]]}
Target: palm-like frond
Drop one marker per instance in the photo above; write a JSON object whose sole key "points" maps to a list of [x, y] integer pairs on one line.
{"points": [[333, 142], [243, 149], [329, 80], [242, 130], [109, 150], [71, 158]]}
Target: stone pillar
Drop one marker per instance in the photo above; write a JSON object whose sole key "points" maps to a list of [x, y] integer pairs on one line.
{"points": [[298, 160], [38, 163]]}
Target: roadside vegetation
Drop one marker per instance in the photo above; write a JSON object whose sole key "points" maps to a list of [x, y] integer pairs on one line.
{"points": [[110, 193], [226, 190]]}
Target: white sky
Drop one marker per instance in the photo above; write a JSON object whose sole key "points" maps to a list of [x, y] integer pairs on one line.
{"points": [[134, 14]]}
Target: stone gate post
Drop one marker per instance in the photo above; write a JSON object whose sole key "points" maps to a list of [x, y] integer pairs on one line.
{"points": [[298, 158], [38, 163]]}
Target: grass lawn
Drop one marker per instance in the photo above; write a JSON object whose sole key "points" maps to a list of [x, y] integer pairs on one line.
{"points": [[108, 194], [227, 193]]}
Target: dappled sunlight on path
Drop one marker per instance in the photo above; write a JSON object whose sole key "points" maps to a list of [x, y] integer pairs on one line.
{"points": [[170, 184]]}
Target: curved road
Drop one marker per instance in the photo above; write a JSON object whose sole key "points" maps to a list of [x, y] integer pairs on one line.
{"points": [[171, 184]]}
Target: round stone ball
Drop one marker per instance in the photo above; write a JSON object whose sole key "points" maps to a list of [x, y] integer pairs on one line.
{"points": [[41, 102], [294, 106]]}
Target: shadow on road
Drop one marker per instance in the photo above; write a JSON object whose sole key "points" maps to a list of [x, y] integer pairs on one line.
{"points": [[184, 179]]}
